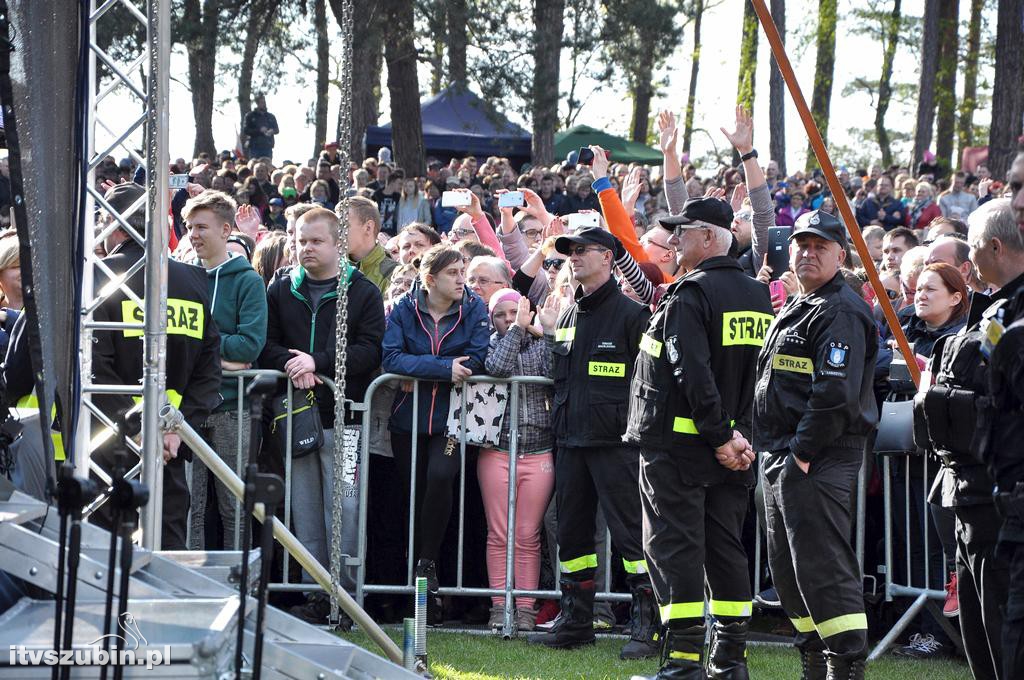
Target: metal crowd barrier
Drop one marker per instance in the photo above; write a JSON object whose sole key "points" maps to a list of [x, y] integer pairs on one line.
{"points": [[509, 591], [359, 560], [913, 532]]}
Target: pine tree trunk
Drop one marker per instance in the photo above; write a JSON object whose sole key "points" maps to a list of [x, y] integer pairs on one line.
{"points": [[926, 86], [1007, 90], [824, 68], [945, 91], [403, 86], [643, 93], [458, 16], [965, 124], [691, 97], [367, 64], [891, 39], [322, 75], [437, 24], [777, 95], [201, 47], [548, 21]]}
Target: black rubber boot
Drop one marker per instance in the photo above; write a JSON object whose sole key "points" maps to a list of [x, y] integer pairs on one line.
{"points": [[727, 659], [644, 624], [577, 627], [845, 669], [812, 657], [680, 657]]}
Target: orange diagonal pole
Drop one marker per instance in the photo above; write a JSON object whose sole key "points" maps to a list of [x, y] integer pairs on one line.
{"points": [[838, 193]]}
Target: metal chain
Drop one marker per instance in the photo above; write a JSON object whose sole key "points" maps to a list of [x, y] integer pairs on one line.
{"points": [[341, 320]]}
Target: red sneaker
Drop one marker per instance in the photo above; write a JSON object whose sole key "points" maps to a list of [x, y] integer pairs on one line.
{"points": [[548, 611], [951, 609]]}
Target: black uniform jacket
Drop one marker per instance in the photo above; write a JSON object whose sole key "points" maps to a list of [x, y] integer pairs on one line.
{"points": [[592, 355], [814, 374], [193, 343], [694, 378]]}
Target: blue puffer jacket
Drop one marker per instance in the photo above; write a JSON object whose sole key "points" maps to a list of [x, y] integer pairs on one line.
{"points": [[414, 345]]}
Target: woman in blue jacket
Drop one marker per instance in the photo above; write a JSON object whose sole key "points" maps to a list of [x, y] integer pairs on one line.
{"points": [[437, 332]]}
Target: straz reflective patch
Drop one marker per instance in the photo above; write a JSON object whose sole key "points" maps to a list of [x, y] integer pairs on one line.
{"points": [[650, 345], [184, 317], [785, 362], [745, 328], [607, 370]]}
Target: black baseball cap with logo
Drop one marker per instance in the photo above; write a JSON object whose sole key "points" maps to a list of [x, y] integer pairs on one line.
{"points": [[700, 212], [590, 236], [820, 224]]}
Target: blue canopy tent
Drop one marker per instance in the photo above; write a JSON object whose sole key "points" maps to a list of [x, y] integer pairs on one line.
{"points": [[458, 123]]}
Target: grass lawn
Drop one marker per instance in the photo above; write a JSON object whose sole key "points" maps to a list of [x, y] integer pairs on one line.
{"points": [[461, 656]]}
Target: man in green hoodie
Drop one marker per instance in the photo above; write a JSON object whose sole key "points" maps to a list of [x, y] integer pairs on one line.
{"points": [[363, 247], [239, 303]]}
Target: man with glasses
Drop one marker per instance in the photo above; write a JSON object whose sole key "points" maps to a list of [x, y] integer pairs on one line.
{"points": [[656, 244], [594, 344], [690, 412]]}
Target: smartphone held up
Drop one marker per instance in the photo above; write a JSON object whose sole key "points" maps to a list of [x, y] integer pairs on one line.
{"points": [[456, 199]]}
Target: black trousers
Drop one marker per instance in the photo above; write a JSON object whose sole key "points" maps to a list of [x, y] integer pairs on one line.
{"points": [[1013, 625], [585, 477], [813, 565], [437, 467], [982, 579], [686, 527], [176, 505]]}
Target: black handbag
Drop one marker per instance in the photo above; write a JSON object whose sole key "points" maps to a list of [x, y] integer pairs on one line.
{"points": [[307, 430]]}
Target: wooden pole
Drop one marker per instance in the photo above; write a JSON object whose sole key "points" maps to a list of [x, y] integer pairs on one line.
{"points": [[838, 193]]}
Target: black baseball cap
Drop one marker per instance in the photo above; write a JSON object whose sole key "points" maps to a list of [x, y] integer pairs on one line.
{"points": [[701, 212], [820, 224], [123, 196], [589, 236]]}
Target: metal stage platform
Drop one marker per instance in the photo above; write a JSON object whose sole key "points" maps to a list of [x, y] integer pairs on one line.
{"points": [[183, 607]]}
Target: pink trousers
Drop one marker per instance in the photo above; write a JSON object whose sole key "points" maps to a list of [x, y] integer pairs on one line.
{"points": [[535, 480]]}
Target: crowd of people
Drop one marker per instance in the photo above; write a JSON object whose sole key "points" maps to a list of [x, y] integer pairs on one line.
{"points": [[662, 306]]}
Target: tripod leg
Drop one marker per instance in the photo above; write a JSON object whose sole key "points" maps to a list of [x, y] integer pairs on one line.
{"points": [[108, 604], [74, 553], [122, 602], [266, 551], [58, 617], [243, 585]]}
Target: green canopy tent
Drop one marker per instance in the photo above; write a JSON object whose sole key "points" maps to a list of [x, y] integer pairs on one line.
{"points": [[622, 150]]}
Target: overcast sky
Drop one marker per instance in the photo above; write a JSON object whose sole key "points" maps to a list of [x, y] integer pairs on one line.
{"points": [[608, 107]]}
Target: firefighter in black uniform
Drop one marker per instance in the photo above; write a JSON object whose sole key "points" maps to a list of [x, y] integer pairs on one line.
{"points": [[594, 344], [969, 418], [813, 409], [1005, 451], [690, 402], [193, 371]]}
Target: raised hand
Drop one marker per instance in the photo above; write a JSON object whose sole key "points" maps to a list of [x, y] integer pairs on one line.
{"points": [[534, 204], [738, 194], [523, 315], [247, 220], [742, 138], [473, 209], [549, 311], [715, 192], [668, 133], [631, 189]]}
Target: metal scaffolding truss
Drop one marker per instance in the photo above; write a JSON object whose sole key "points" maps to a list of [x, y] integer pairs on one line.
{"points": [[114, 130]]}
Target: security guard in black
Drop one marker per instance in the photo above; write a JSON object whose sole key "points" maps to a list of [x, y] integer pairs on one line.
{"points": [[692, 391], [813, 409], [593, 350]]}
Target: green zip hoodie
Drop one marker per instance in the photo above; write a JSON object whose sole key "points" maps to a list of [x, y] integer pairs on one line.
{"points": [[239, 302]]}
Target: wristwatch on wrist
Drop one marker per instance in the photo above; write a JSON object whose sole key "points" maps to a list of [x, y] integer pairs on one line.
{"points": [[750, 154]]}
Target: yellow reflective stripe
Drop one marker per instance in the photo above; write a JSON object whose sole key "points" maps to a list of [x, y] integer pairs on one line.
{"points": [[28, 401], [580, 563], [607, 369], [565, 334], [184, 317], [58, 445], [785, 362], [650, 345], [687, 656], [682, 610], [841, 624], [687, 426], [173, 397], [804, 624], [730, 607], [638, 567], [745, 328]]}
